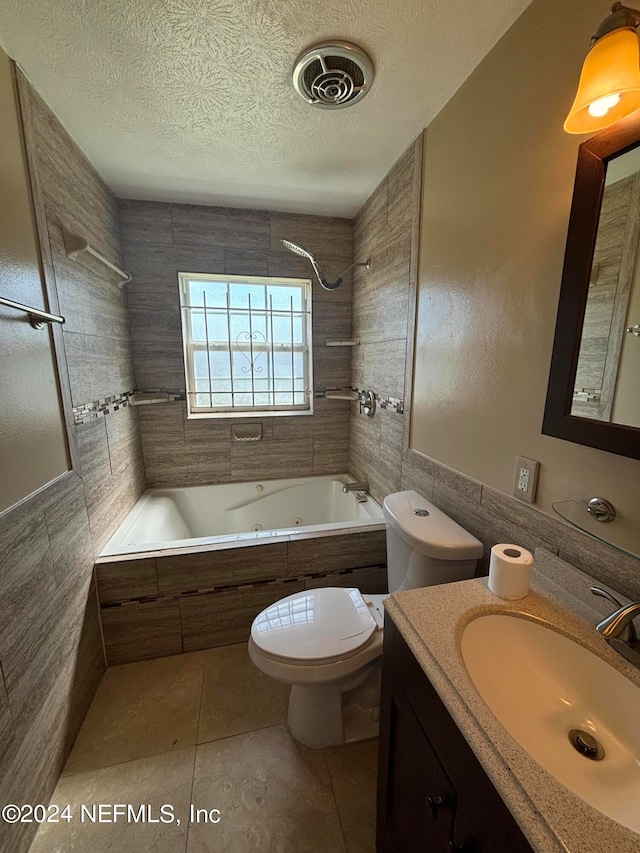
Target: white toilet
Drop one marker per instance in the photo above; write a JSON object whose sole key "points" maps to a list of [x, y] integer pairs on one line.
{"points": [[327, 642]]}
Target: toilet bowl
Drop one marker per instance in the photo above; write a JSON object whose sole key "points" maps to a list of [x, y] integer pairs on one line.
{"points": [[327, 642]]}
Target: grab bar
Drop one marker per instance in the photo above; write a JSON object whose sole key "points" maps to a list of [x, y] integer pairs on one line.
{"points": [[74, 244], [38, 318]]}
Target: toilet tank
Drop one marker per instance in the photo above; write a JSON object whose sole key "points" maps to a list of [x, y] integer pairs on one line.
{"points": [[425, 546]]}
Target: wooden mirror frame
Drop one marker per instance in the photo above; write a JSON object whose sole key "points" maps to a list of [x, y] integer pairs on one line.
{"points": [[593, 156]]}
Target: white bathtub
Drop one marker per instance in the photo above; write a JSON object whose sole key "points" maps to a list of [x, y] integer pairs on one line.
{"points": [[195, 516]]}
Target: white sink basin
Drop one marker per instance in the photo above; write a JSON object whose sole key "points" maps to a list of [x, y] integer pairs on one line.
{"points": [[541, 685]]}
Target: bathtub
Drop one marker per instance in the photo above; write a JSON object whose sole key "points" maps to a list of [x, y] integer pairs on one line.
{"points": [[195, 516]]}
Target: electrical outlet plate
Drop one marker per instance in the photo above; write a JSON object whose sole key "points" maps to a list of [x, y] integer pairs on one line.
{"points": [[526, 479]]}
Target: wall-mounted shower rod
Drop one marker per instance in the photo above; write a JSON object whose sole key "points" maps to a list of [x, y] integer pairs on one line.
{"points": [[37, 317]]}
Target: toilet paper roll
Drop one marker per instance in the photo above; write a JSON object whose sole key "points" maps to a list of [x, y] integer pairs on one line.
{"points": [[510, 571]]}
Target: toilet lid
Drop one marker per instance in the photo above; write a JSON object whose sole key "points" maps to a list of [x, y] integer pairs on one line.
{"points": [[315, 624]]}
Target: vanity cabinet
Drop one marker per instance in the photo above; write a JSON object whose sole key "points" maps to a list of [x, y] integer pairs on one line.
{"points": [[433, 795]]}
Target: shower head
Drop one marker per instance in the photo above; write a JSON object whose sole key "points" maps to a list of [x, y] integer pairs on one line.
{"points": [[293, 247], [305, 253]]}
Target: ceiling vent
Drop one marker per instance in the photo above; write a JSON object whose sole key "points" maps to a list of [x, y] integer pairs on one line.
{"points": [[333, 74]]}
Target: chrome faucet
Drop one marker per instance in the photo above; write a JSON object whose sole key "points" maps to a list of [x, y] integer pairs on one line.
{"points": [[618, 629], [362, 489], [361, 486]]}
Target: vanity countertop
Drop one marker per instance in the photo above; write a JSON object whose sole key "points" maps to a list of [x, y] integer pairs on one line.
{"points": [[432, 620]]}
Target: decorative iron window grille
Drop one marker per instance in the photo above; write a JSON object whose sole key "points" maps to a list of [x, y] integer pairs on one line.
{"points": [[247, 345]]}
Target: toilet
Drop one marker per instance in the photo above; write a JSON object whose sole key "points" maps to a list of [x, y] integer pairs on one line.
{"points": [[327, 642]]}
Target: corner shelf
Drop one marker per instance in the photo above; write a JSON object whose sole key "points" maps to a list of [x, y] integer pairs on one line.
{"points": [[617, 533], [347, 342]]}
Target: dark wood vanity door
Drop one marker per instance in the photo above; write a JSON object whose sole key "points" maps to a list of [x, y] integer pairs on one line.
{"points": [[433, 794], [420, 801]]}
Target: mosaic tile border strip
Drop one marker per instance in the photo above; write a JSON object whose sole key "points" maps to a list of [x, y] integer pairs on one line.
{"points": [[390, 404], [99, 408], [127, 602]]}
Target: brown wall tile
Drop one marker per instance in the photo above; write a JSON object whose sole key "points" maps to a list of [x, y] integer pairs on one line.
{"points": [[190, 572], [127, 579], [370, 581], [238, 242], [141, 631], [221, 618], [332, 553]]}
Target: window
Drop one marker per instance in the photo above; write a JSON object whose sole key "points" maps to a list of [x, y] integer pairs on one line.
{"points": [[247, 345]]}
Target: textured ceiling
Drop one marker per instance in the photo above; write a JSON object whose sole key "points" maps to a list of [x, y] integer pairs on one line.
{"points": [[191, 100]]}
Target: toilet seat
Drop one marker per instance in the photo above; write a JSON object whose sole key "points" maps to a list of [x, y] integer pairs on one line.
{"points": [[314, 627]]}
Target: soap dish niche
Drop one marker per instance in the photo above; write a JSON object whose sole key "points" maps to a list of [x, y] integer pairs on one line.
{"points": [[246, 432]]}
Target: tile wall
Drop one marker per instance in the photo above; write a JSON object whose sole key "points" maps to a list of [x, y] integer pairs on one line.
{"points": [[51, 649], [51, 654], [95, 339], [157, 606], [162, 239], [386, 228]]}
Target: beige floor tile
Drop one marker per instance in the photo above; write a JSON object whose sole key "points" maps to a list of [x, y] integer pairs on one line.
{"points": [[160, 780], [354, 770], [236, 696], [273, 797], [141, 709]]}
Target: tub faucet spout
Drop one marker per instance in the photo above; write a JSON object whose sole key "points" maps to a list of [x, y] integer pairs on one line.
{"points": [[362, 486]]}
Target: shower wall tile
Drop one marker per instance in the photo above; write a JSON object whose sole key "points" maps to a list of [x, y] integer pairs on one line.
{"points": [[181, 464], [7, 731], [109, 496], [127, 579], [228, 227], [98, 367], [68, 529], [161, 422], [330, 454], [51, 652], [191, 572], [246, 262], [141, 631], [385, 228], [384, 367], [146, 222], [222, 618], [161, 240], [195, 258], [27, 577], [98, 310], [331, 367], [318, 234], [123, 439], [271, 460]]}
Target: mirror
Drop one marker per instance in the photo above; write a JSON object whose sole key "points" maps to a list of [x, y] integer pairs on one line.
{"points": [[594, 383]]}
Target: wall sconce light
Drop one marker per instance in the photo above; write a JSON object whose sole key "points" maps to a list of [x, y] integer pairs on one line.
{"points": [[609, 87]]}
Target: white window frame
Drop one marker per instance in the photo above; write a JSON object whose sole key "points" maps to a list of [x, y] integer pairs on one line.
{"points": [[190, 347]]}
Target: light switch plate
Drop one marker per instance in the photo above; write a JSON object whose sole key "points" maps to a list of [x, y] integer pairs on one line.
{"points": [[526, 480]]}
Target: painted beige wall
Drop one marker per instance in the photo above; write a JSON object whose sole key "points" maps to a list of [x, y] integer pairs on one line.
{"points": [[33, 447], [498, 179]]}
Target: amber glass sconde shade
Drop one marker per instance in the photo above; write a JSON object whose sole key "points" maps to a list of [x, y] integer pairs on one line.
{"points": [[609, 87]]}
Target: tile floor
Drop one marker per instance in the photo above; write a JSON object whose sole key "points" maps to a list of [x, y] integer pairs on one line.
{"points": [[207, 729]]}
